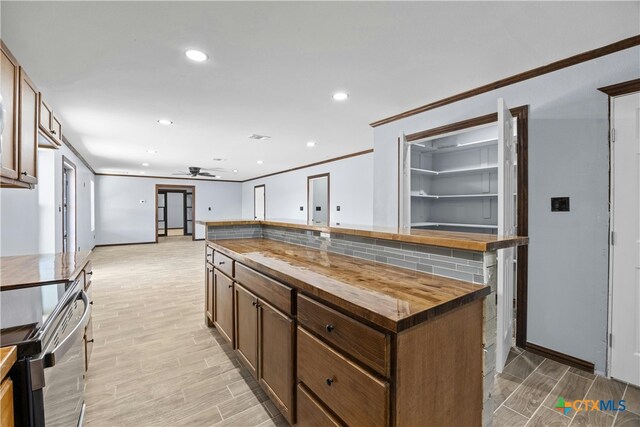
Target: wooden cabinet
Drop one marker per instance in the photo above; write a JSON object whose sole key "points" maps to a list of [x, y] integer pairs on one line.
{"points": [[208, 295], [357, 397], [9, 90], [312, 413], [50, 126], [223, 305], [276, 338], [6, 403], [20, 135], [223, 263], [246, 317]]}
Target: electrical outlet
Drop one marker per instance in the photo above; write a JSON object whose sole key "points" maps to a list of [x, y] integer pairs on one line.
{"points": [[559, 204], [301, 208], [209, 208], [338, 208]]}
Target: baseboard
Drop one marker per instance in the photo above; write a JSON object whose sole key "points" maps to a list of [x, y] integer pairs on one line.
{"points": [[561, 357], [123, 244]]}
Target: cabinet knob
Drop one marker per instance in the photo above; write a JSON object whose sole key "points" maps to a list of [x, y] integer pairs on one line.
{"points": [[91, 302], [329, 381], [231, 285], [221, 262], [24, 173], [209, 255], [52, 131], [330, 327], [90, 273]]}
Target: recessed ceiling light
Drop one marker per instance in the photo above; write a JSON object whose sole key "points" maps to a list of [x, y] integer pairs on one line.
{"points": [[340, 96], [165, 122], [260, 162], [145, 164], [152, 151], [235, 171], [141, 172], [258, 137], [217, 159], [311, 144], [196, 55]]}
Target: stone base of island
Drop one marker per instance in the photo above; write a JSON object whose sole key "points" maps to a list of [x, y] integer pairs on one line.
{"points": [[353, 326]]}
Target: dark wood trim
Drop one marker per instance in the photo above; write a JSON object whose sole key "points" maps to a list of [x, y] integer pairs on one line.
{"points": [[335, 159], [264, 201], [124, 244], [65, 160], [163, 177], [309, 211], [522, 280], [400, 171], [623, 88], [78, 155], [560, 357], [169, 187], [517, 78]]}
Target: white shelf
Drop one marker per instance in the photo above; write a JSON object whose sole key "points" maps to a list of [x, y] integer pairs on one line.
{"points": [[462, 171], [454, 196], [449, 224], [423, 148], [424, 171]]}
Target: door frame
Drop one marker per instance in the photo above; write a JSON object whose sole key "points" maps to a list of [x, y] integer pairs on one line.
{"points": [[180, 189], [613, 91], [264, 201], [68, 164], [311, 177], [522, 114]]}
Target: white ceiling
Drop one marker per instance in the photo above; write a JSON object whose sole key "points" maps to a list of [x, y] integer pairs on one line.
{"points": [[112, 69]]}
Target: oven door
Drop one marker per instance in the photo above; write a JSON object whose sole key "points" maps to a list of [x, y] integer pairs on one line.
{"points": [[63, 365]]}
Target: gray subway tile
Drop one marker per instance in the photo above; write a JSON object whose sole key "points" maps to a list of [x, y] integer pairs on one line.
{"points": [[425, 268], [453, 274], [402, 263]]}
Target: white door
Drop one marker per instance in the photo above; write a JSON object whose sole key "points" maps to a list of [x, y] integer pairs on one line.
{"points": [[506, 227], [404, 187], [258, 203], [625, 247]]}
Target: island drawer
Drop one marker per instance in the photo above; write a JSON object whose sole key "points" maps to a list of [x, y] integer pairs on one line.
{"points": [[360, 341], [223, 263], [311, 413], [274, 292], [353, 394], [208, 254]]}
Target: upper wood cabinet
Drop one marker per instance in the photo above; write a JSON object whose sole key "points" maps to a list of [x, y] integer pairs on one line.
{"points": [[9, 83], [49, 126], [20, 133]]}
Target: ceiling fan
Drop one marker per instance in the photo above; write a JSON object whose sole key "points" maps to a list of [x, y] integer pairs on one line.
{"points": [[196, 171]]}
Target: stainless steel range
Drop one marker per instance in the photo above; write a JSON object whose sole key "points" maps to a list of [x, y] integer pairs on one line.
{"points": [[48, 328]]}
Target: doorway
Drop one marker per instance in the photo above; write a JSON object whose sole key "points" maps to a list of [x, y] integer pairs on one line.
{"points": [[318, 195], [624, 245], [175, 211], [68, 206], [259, 202]]}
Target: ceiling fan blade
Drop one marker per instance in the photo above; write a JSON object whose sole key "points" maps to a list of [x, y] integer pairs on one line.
{"points": [[205, 174], [181, 173]]}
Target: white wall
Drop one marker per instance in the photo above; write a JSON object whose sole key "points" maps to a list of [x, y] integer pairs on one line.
{"points": [[121, 218], [351, 183], [21, 229], [175, 210], [568, 156]]}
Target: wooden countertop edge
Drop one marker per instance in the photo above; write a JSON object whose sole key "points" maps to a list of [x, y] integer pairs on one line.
{"points": [[358, 310], [447, 242], [72, 276], [8, 356]]}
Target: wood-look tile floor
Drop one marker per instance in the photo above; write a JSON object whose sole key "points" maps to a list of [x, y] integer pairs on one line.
{"points": [[154, 362], [529, 386]]}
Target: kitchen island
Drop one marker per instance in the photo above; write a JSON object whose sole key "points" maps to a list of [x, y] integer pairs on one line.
{"points": [[358, 326]]}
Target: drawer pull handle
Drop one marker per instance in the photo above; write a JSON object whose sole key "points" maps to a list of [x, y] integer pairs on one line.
{"points": [[209, 255], [231, 285], [90, 273], [24, 173], [329, 381], [91, 340], [330, 327], [221, 262], [255, 303]]}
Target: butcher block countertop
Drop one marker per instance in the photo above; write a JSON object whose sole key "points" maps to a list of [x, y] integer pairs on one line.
{"points": [[448, 239], [34, 270], [390, 297], [8, 356]]}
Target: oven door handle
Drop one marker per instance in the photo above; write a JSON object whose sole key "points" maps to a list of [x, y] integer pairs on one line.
{"points": [[78, 332]]}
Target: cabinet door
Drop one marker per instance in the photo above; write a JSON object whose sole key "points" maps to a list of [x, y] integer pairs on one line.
{"points": [[208, 296], [28, 130], [46, 115], [276, 347], [56, 130], [6, 403], [223, 305], [9, 90], [88, 344], [246, 317]]}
